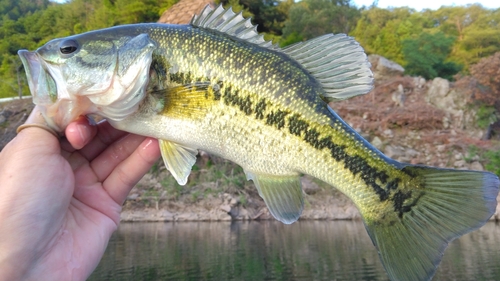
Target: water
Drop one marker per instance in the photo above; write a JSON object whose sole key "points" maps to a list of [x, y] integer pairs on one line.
{"points": [[269, 250]]}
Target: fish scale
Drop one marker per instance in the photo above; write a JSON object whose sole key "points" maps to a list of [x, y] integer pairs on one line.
{"points": [[218, 86]]}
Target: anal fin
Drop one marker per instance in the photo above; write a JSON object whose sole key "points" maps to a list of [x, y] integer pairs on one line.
{"points": [[282, 194], [178, 159]]}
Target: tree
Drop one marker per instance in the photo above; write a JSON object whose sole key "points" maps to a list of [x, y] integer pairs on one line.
{"points": [[477, 31], [269, 15], [311, 18], [426, 56], [382, 31]]}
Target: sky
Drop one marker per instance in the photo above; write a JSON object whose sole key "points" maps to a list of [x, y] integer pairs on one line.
{"points": [[419, 5]]}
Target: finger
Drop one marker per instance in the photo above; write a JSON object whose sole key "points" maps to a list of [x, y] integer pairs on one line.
{"points": [[126, 175], [105, 136], [117, 152], [78, 134], [36, 121]]}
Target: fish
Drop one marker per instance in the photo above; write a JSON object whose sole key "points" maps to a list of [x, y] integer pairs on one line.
{"points": [[216, 85]]}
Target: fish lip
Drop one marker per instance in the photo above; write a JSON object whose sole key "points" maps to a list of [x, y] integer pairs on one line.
{"points": [[32, 67], [43, 86]]}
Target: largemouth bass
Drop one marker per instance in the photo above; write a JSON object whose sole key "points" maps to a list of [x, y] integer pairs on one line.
{"points": [[216, 85]]}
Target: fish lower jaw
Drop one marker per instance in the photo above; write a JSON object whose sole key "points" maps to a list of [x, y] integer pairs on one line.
{"points": [[64, 111]]}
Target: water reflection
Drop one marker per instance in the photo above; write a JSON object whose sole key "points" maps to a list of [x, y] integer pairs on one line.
{"points": [[269, 250]]}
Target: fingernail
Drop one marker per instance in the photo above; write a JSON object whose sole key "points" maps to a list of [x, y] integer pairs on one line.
{"points": [[84, 132], [147, 144]]}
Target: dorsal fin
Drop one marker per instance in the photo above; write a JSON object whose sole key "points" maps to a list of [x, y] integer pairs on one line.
{"points": [[230, 23], [338, 62]]}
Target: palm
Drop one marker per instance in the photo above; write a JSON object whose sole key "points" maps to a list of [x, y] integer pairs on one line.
{"points": [[75, 200]]}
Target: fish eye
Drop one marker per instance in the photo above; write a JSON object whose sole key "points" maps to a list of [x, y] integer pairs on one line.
{"points": [[68, 46]]}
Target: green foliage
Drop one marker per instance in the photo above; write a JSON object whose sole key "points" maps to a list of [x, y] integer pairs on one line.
{"points": [[382, 31], [476, 29], [486, 115], [493, 161], [290, 39], [311, 18], [471, 152], [269, 15], [426, 56]]}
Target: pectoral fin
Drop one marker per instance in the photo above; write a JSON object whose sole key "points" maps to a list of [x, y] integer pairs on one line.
{"points": [[282, 194], [178, 159]]}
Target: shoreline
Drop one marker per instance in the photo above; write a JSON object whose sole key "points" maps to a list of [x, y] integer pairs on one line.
{"points": [[340, 210]]}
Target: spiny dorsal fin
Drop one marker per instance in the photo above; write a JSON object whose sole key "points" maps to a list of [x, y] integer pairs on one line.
{"points": [[338, 62], [230, 23]]}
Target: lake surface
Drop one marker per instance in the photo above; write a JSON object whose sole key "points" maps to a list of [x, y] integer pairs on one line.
{"points": [[270, 250]]}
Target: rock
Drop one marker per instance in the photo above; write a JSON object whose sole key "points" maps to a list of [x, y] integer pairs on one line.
{"points": [[183, 11], [164, 215], [412, 152], [309, 186], [414, 135], [394, 152], [352, 212], [2, 119], [441, 148], [377, 142], [437, 92], [459, 164], [6, 113], [476, 166], [187, 217], [225, 207], [233, 202], [398, 96], [419, 82], [383, 68], [453, 102], [132, 196], [388, 133]]}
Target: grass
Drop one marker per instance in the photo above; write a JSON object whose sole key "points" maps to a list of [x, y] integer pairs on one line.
{"points": [[493, 161], [491, 158]]}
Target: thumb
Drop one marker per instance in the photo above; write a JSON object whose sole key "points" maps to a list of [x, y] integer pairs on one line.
{"points": [[80, 132]]}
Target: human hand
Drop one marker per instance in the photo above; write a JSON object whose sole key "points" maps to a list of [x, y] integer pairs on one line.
{"points": [[60, 200]]}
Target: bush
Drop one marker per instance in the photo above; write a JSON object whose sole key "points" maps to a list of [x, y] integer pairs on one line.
{"points": [[426, 55], [493, 158], [487, 74]]}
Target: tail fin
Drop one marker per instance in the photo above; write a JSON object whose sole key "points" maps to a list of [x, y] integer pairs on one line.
{"points": [[454, 203]]}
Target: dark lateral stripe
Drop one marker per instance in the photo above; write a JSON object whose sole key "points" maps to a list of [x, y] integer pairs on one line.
{"points": [[276, 118], [232, 97], [300, 127]]}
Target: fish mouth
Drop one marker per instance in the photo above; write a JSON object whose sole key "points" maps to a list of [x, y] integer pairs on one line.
{"points": [[42, 85]]}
